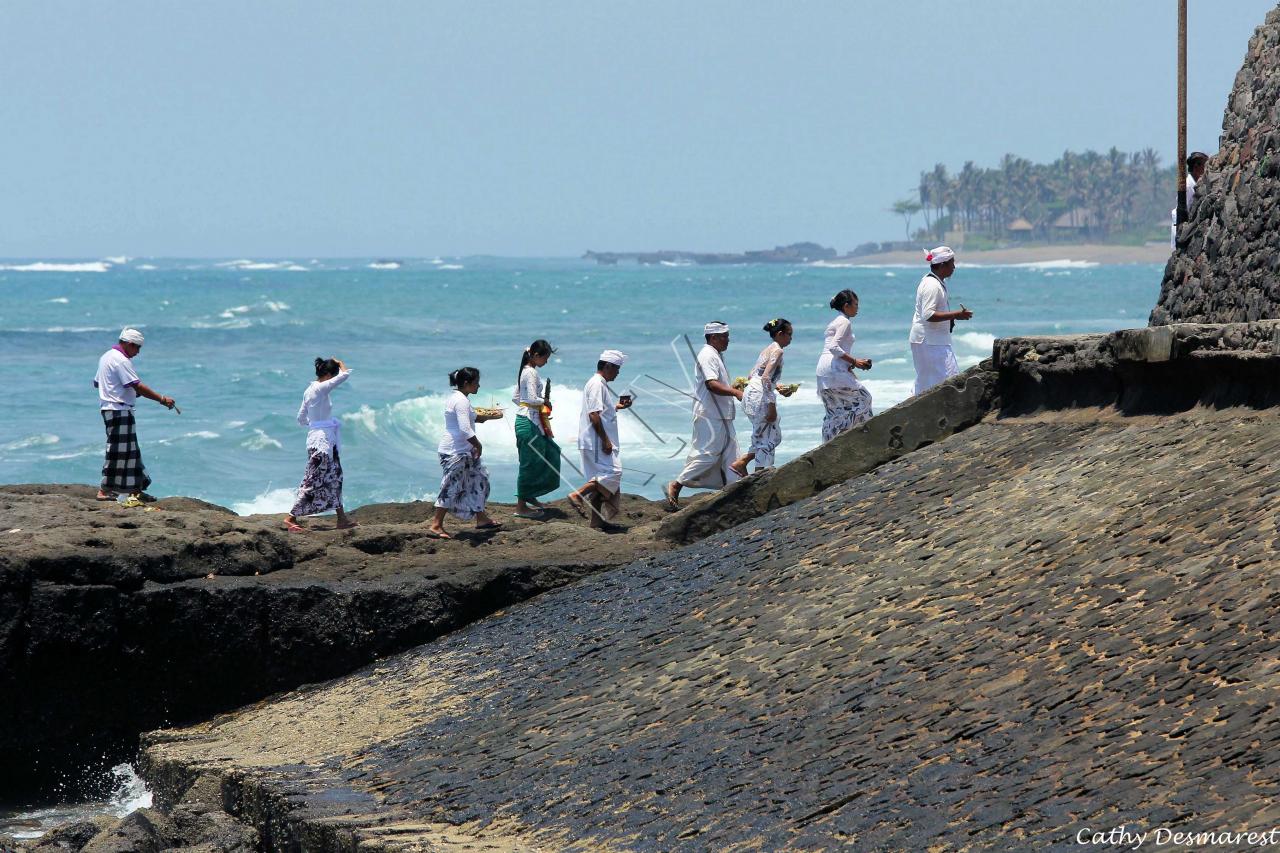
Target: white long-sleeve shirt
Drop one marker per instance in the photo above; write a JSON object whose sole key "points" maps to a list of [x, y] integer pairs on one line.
{"points": [[833, 370], [528, 396], [316, 413], [459, 425]]}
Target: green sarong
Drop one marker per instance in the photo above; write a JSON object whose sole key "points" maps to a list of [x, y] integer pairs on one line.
{"points": [[539, 461]]}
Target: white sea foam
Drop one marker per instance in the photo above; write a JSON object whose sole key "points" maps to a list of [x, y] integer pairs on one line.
{"points": [[146, 267], [43, 266], [890, 274], [202, 434], [385, 265], [40, 440], [1059, 264], [276, 306], [54, 457], [260, 441], [233, 424], [239, 309], [269, 502], [450, 267], [975, 341], [60, 300], [118, 259]]}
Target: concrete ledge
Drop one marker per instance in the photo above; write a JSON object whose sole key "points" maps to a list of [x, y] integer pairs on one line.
{"points": [[955, 404]]}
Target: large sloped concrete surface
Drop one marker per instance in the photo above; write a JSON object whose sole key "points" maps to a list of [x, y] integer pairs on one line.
{"points": [[1038, 626]]}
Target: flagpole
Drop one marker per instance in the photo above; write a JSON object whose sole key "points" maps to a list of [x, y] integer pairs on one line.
{"points": [[1181, 166]]}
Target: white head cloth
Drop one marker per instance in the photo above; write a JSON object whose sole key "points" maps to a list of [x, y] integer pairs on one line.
{"points": [[715, 329], [940, 255], [131, 336], [613, 356]]}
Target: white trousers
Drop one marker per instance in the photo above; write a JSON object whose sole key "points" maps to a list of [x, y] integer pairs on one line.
{"points": [[934, 363], [714, 449]]}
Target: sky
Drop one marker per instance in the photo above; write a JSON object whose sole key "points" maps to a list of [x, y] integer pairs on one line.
{"points": [[415, 129]]}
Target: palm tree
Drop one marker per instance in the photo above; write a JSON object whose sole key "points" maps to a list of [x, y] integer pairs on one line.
{"points": [[906, 208]]}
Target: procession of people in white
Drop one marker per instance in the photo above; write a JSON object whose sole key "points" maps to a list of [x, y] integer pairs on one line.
{"points": [[713, 461]]}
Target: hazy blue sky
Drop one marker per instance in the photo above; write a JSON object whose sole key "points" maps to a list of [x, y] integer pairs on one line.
{"points": [[421, 128]]}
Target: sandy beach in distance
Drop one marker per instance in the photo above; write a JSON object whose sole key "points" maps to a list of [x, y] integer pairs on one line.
{"points": [[1097, 253]]}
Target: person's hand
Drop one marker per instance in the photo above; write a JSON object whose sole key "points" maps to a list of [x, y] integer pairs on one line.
{"points": [[965, 313], [342, 365], [167, 402], [862, 363], [476, 449], [607, 447], [737, 393]]}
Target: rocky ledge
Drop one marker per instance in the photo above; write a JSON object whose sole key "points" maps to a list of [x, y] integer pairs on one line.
{"points": [[1055, 620], [116, 620]]}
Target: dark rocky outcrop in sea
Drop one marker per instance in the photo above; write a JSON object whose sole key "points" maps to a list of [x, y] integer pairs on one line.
{"points": [[1226, 267], [115, 620]]}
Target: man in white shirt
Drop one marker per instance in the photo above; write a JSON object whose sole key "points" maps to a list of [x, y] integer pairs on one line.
{"points": [[932, 322], [118, 388], [715, 444], [598, 444]]}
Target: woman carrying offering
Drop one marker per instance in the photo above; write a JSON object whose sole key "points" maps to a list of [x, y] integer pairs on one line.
{"points": [[321, 488], [847, 401], [539, 472], [759, 399], [465, 485]]}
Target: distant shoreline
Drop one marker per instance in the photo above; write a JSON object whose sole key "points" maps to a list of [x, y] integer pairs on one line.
{"points": [[1092, 252]]}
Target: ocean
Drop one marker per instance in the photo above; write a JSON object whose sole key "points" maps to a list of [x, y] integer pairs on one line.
{"points": [[234, 341]]}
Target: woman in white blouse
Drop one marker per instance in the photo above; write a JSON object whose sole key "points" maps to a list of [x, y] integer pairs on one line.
{"points": [[539, 455], [464, 488], [847, 401], [759, 399], [321, 488]]}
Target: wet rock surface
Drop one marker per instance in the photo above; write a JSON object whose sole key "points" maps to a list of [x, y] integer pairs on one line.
{"points": [[1226, 263], [1041, 624], [116, 620]]}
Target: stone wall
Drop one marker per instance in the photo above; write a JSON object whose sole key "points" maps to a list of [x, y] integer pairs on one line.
{"points": [[1226, 267]]}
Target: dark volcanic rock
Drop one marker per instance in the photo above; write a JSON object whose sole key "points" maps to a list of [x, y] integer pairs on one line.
{"points": [[116, 620], [1226, 266]]}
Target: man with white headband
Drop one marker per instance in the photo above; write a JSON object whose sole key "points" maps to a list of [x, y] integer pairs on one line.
{"points": [[715, 444], [931, 325], [118, 387], [598, 444]]}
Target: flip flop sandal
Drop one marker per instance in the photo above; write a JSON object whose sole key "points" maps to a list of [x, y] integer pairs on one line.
{"points": [[114, 497], [579, 506], [493, 525], [431, 534], [294, 528]]}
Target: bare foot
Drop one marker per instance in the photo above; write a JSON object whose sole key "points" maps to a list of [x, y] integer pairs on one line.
{"points": [[579, 506], [739, 468], [437, 533], [673, 494], [294, 527]]}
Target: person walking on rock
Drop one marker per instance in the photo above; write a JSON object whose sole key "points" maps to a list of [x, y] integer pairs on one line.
{"points": [[715, 445], [539, 455], [759, 399], [933, 321], [321, 487], [118, 389], [464, 489], [846, 400], [598, 444]]}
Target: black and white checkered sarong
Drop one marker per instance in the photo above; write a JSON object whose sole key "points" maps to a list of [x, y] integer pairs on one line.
{"points": [[122, 470]]}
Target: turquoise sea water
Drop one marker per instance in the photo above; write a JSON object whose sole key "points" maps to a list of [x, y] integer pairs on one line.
{"points": [[234, 342]]}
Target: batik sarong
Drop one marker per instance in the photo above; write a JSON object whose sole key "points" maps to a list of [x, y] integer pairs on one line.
{"points": [[321, 488], [846, 408], [934, 363], [464, 489], [714, 449], [122, 469], [765, 436], [539, 472]]}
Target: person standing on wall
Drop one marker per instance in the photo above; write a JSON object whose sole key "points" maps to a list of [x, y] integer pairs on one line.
{"points": [[933, 321]]}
